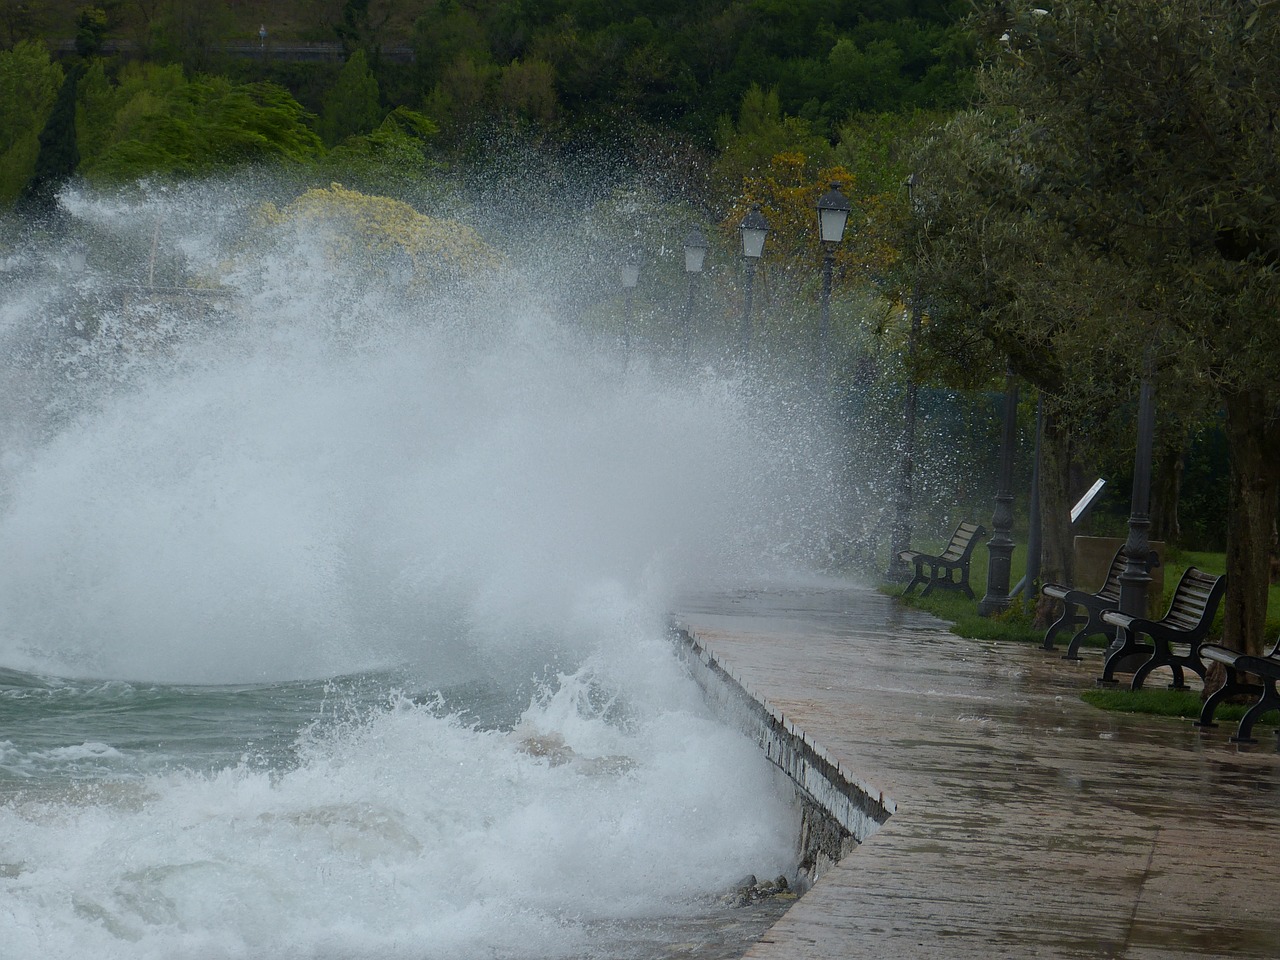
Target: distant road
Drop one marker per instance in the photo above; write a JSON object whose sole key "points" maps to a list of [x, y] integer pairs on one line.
{"points": [[317, 52]]}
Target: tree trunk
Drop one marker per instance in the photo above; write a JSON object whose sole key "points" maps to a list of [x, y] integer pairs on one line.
{"points": [[1170, 459], [1057, 548], [1253, 441]]}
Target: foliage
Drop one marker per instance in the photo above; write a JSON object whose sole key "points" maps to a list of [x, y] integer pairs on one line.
{"points": [[392, 159], [1148, 134], [29, 83], [372, 232], [761, 133], [1185, 704], [59, 154], [91, 30], [351, 106], [191, 34], [1112, 191], [164, 124]]}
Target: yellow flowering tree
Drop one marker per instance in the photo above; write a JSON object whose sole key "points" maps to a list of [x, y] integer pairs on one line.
{"points": [[787, 190], [383, 236]]}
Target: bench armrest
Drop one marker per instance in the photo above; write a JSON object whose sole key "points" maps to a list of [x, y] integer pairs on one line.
{"points": [[1130, 623]]}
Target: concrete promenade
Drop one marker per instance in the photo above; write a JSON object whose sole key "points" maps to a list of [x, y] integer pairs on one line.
{"points": [[1025, 822]]}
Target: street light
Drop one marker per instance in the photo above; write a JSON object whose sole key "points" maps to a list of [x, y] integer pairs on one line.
{"points": [[1135, 578], [753, 229], [833, 214], [695, 255], [1000, 546], [629, 274], [899, 570]]}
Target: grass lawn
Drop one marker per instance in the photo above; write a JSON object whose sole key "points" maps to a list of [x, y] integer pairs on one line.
{"points": [[1169, 703], [1016, 623]]}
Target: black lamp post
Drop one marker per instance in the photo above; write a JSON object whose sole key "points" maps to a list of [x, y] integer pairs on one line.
{"points": [[695, 255], [899, 570], [754, 228], [833, 214], [1135, 578], [629, 274], [1000, 546], [1035, 535]]}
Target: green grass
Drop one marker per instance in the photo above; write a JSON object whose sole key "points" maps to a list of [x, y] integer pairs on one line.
{"points": [[1016, 624], [1166, 703]]}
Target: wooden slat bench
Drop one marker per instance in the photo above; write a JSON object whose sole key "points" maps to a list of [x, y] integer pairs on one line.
{"points": [[1265, 668], [949, 569], [1176, 637], [1084, 610]]}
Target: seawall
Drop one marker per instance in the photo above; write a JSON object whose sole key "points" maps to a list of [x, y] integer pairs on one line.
{"points": [[839, 811], [1022, 822]]}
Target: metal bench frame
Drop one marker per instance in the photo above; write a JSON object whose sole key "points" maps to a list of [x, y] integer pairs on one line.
{"points": [[949, 569], [1176, 637], [1084, 609], [1265, 668]]}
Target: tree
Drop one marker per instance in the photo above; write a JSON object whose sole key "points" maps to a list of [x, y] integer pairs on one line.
{"points": [[91, 31], [528, 90], [191, 33], [372, 233], [761, 133], [351, 106], [1133, 162], [29, 83], [59, 155], [170, 126], [390, 160]]}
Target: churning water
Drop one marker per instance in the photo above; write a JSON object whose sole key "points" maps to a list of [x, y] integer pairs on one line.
{"points": [[331, 613]]}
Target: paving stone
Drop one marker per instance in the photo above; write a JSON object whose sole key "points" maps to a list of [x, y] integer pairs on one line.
{"points": [[1026, 823]]}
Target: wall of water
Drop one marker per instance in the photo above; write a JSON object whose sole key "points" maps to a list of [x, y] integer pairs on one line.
{"points": [[317, 472]]}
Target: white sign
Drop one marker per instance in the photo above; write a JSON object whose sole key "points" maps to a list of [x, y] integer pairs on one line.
{"points": [[1085, 502]]}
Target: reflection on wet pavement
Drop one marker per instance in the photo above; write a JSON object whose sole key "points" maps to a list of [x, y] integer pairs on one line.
{"points": [[1028, 823]]}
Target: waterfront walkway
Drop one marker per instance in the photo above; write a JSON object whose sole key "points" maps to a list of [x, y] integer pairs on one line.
{"points": [[1026, 823]]}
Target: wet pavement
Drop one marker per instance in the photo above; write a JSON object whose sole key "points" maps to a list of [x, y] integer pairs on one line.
{"points": [[1025, 822]]}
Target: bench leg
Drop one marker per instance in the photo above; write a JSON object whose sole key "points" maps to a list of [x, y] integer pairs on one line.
{"points": [[929, 584], [1233, 686], [916, 580], [1125, 655], [1090, 627], [1163, 656], [1068, 619], [1270, 700]]}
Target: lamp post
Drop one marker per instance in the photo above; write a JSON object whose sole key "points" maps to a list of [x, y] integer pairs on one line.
{"points": [[1000, 546], [1135, 578], [833, 214], [629, 274], [695, 255], [753, 229], [899, 570], [1034, 533]]}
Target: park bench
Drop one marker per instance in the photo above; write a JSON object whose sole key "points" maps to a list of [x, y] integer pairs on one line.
{"points": [[1176, 637], [949, 569], [1265, 668], [1084, 610]]}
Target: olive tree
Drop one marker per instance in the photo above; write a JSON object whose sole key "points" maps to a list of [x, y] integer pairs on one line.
{"points": [[1132, 150]]}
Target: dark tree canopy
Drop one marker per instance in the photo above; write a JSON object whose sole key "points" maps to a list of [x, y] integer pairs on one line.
{"points": [[1114, 191], [59, 154]]}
